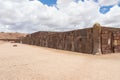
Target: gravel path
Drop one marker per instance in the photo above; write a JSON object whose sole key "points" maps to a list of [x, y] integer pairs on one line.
{"points": [[26, 62]]}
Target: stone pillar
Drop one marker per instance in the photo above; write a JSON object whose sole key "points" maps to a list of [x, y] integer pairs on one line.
{"points": [[73, 47], [97, 39]]}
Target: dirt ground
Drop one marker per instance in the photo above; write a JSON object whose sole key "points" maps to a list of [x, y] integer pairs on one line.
{"points": [[26, 62]]}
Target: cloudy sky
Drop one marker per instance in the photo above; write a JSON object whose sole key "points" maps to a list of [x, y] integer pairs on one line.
{"points": [[57, 15]]}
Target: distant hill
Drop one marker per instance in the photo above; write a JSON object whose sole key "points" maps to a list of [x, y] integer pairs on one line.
{"points": [[4, 35]]}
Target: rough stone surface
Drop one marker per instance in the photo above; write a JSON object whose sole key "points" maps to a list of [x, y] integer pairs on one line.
{"points": [[96, 39], [110, 40], [91, 40], [78, 40]]}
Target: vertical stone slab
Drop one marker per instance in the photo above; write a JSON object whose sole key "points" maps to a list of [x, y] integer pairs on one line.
{"points": [[97, 39]]}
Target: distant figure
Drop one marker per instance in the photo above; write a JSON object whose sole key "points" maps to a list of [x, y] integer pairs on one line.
{"points": [[15, 45]]}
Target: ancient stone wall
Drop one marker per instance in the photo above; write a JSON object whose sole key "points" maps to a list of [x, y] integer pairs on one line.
{"points": [[78, 40], [94, 40], [110, 38]]}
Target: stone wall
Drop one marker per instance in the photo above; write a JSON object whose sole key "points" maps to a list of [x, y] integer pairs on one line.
{"points": [[110, 40], [94, 40], [78, 40]]}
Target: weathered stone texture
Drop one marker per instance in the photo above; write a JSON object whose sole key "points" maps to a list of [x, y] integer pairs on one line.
{"points": [[91, 40], [110, 40], [96, 39], [78, 40]]}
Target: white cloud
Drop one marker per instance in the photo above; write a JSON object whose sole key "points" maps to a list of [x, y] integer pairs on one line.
{"points": [[111, 19], [107, 3], [31, 16]]}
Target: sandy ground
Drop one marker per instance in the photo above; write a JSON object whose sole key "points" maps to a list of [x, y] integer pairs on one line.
{"points": [[1, 42], [36, 63]]}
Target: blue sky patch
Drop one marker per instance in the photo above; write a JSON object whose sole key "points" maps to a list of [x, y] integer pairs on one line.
{"points": [[119, 4], [105, 9], [95, 0], [82, 0], [79, 0], [49, 2]]}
